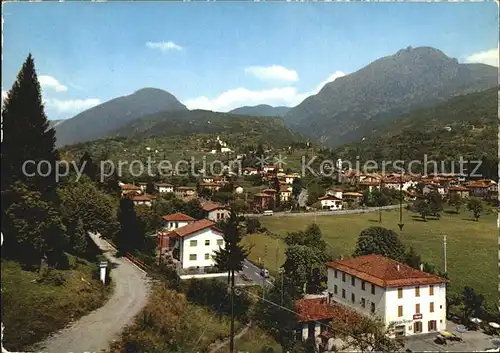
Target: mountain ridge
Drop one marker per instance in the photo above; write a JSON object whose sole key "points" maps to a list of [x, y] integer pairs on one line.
{"points": [[261, 110]]}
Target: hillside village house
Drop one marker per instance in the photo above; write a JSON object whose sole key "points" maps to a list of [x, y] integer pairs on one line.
{"points": [[210, 186], [214, 211], [396, 184], [352, 197], [334, 192], [459, 190], [285, 193], [269, 169], [128, 188], [195, 244], [369, 185], [428, 188], [412, 300], [208, 179], [176, 220], [331, 203], [142, 186], [185, 192], [289, 178], [262, 201], [164, 188], [146, 199], [238, 189], [250, 171], [486, 189]]}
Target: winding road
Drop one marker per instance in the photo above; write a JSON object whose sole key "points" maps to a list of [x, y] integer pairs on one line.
{"points": [[101, 327]]}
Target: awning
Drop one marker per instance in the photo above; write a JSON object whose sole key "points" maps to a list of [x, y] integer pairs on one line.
{"points": [[446, 334], [494, 324]]}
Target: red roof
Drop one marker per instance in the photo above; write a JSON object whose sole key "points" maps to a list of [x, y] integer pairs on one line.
{"points": [[319, 309], [458, 188], [187, 188], [194, 227], [210, 206], [372, 183], [145, 197], [268, 190], [384, 272], [178, 217], [129, 187], [263, 195], [329, 197]]}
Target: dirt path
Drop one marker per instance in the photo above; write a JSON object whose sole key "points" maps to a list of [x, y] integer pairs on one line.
{"points": [[98, 329]]}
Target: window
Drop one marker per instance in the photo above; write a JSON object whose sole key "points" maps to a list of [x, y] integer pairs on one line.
{"points": [[176, 224], [373, 308], [417, 291], [353, 297], [220, 241], [207, 256], [343, 293], [431, 290], [336, 273], [431, 307], [343, 277], [192, 257], [373, 289], [207, 242], [363, 302], [363, 283], [417, 327], [193, 242], [431, 325], [335, 289], [400, 311], [417, 308], [400, 293], [171, 224], [353, 280]]}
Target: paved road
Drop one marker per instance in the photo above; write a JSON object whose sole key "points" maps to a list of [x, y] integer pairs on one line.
{"points": [[253, 273], [99, 328], [326, 213]]}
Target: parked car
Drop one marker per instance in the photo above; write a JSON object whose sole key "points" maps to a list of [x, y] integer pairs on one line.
{"points": [[268, 213], [264, 273]]}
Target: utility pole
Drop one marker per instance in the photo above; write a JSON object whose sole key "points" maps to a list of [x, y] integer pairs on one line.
{"points": [[444, 251], [282, 277], [231, 341]]}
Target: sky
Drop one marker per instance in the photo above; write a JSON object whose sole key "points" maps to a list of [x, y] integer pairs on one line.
{"points": [[222, 55]]}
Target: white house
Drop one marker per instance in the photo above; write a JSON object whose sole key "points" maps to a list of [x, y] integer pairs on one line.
{"points": [[146, 199], [214, 211], [289, 178], [330, 203], [334, 192], [238, 189], [176, 220], [164, 188], [250, 171], [196, 243], [428, 188], [414, 301]]}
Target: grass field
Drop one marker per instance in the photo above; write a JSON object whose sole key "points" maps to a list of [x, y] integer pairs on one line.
{"points": [[254, 341], [31, 309], [472, 257]]}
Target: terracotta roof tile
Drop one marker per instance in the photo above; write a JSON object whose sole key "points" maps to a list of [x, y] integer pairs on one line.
{"points": [[194, 227], [129, 187], [210, 206], [145, 197], [384, 272], [178, 217], [319, 309], [329, 197]]}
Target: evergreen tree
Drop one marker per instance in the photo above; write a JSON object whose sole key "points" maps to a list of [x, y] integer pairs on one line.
{"points": [[150, 187], [90, 169], [27, 136], [131, 235], [276, 186], [78, 240], [382, 241]]}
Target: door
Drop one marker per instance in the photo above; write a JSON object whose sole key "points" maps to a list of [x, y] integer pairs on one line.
{"points": [[417, 327], [432, 325]]}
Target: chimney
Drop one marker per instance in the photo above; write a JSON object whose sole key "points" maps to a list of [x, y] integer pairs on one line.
{"points": [[397, 266]]}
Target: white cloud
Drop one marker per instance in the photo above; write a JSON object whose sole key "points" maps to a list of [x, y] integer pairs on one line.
{"points": [[71, 105], [488, 57], [274, 72], [164, 46], [51, 82], [238, 97]]}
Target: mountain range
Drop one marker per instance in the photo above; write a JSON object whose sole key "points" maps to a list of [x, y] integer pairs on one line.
{"points": [[261, 110], [97, 122], [352, 105], [343, 111]]}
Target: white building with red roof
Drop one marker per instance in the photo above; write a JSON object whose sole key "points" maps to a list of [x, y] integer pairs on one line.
{"points": [[195, 243], [330, 202], [214, 211], [176, 220], [414, 301]]}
